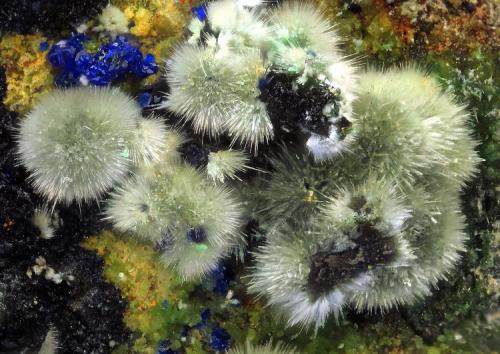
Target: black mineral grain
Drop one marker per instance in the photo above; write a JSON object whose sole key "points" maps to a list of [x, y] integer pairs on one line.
{"points": [[295, 111]]}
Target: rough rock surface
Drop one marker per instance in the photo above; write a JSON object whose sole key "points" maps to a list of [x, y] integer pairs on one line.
{"points": [[27, 16]]}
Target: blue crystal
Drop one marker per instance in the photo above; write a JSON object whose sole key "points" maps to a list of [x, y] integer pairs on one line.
{"points": [[221, 278], [111, 62], [165, 304], [62, 53], [196, 234], [149, 59], [61, 56], [205, 316], [43, 46], [82, 59], [144, 99], [77, 40], [220, 340], [200, 12], [262, 83], [185, 331]]}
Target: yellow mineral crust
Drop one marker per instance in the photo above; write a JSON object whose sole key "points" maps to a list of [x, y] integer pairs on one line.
{"points": [[157, 23], [134, 268], [28, 73]]}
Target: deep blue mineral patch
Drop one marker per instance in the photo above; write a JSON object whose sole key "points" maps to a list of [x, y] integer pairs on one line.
{"points": [[196, 234], [110, 63], [200, 12], [144, 99], [43, 46], [221, 279], [220, 340], [262, 83], [205, 316]]}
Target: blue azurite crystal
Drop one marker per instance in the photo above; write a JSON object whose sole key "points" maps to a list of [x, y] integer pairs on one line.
{"points": [[43, 46], [165, 304], [200, 12], [185, 332], [196, 234], [148, 66], [62, 54], [221, 278], [205, 316], [144, 99], [111, 62], [220, 340], [262, 83]]}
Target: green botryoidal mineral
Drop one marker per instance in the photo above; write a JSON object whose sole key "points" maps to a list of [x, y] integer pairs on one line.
{"points": [[386, 225]]}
